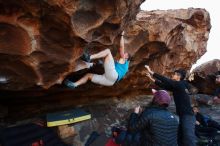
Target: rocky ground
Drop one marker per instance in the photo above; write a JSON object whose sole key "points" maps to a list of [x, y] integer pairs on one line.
{"points": [[111, 112], [118, 112]]}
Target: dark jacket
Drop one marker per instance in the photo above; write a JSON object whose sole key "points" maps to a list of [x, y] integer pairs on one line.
{"points": [[217, 92], [157, 126], [202, 119], [181, 98]]}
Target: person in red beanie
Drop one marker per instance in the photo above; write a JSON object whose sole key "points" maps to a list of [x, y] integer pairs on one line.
{"points": [[156, 125], [179, 87]]}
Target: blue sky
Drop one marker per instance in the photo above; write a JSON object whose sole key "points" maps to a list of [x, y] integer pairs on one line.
{"points": [[213, 47]]}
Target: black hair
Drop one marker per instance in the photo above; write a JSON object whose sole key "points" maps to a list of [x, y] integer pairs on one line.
{"points": [[182, 73]]}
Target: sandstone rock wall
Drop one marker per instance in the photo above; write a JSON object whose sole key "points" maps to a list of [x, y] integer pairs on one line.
{"points": [[203, 77], [167, 40], [40, 41]]}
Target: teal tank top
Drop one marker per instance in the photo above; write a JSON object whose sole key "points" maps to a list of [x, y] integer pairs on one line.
{"points": [[121, 69]]}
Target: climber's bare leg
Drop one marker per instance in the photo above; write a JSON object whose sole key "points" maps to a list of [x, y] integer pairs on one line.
{"points": [[103, 54], [84, 79]]}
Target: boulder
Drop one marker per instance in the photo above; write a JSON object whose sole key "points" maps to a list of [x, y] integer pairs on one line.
{"points": [[203, 77], [41, 43]]}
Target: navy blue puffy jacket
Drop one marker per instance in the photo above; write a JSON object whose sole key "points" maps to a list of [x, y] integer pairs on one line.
{"points": [[157, 126]]}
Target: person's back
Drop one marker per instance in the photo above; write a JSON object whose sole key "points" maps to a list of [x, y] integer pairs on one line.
{"points": [[186, 132], [156, 125], [181, 98], [162, 128]]}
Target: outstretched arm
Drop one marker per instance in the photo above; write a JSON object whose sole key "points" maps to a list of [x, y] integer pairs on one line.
{"points": [[150, 77], [165, 82], [122, 46], [158, 82]]}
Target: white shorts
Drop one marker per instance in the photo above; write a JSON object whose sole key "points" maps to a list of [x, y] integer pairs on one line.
{"points": [[109, 77]]}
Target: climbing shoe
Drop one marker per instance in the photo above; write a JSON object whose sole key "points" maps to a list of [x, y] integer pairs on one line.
{"points": [[69, 84], [85, 57]]}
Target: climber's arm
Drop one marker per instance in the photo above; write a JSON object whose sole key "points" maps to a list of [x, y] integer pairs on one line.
{"points": [[122, 46]]}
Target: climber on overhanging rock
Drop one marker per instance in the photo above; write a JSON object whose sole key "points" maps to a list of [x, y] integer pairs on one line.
{"points": [[114, 70]]}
